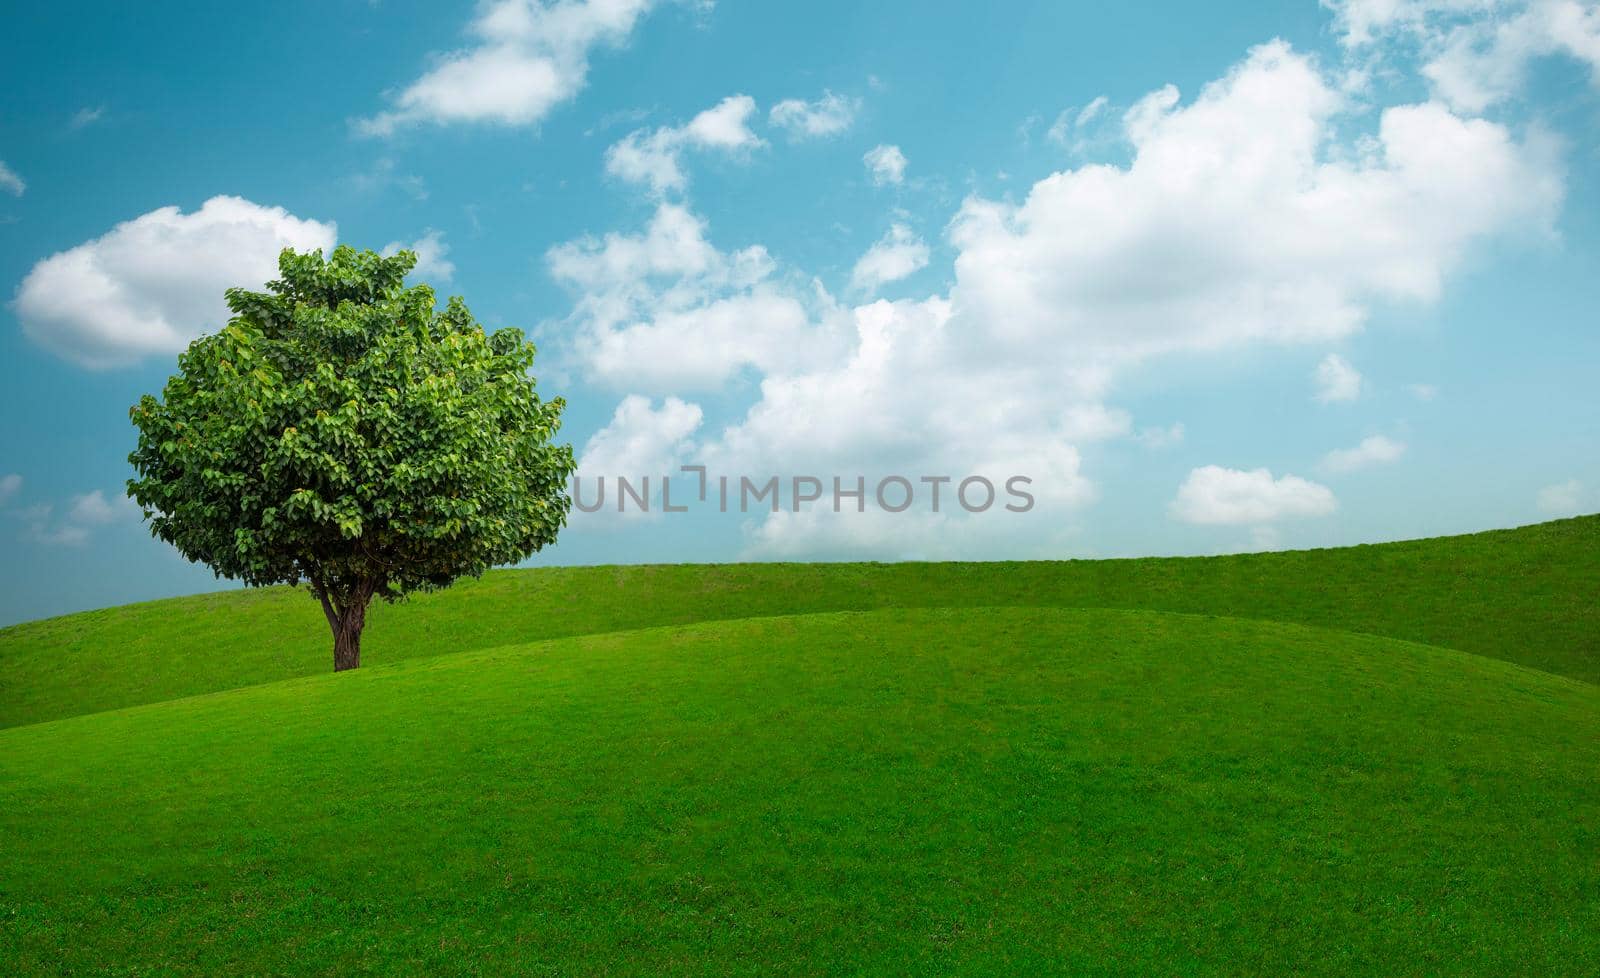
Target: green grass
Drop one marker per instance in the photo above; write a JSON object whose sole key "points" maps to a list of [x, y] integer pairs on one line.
{"points": [[953, 792], [1526, 595], [1368, 761]]}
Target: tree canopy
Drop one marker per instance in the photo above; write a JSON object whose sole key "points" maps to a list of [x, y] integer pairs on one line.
{"points": [[343, 432]]}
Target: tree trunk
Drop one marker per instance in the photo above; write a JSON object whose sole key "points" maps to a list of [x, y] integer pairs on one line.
{"points": [[347, 616], [346, 648]]}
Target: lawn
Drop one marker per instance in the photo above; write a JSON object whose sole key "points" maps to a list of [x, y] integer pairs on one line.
{"points": [[959, 791], [1527, 595], [1376, 760]]}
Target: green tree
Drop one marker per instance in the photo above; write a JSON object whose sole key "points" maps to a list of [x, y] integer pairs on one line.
{"points": [[343, 433]]}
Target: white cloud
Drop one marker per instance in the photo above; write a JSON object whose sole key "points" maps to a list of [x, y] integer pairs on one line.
{"points": [[886, 164], [1424, 392], [10, 485], [896, 255], [93, 509], [1476, 52], [85, 512], [1337, 380], [827, 116], [654, 157], [527, 57], [153, 284], [1562, 499], [1240, 219], [1092, 421], [641, 439], [641, 442], [1215, 495], [86, 116], [1259, 212], [1375, 450], [1161, 437], [1070, 126], [431, 251], [10, 182], [666, 311]]}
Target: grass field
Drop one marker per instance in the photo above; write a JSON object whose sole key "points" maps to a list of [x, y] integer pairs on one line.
{"points": [[1527, 595], [1380, 760]]}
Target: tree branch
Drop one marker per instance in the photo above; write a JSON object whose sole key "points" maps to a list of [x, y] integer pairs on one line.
{"points": [[327, 609]]}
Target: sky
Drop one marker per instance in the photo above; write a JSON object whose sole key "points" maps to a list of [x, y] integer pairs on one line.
{"points": [[1207, 278]]}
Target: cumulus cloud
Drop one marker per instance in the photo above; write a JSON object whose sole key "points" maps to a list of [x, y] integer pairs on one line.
{"points": [[643, 444], [1375, 450], [1215, 495], [431, 251], [900, 395], [10, 485], [1476, 52], [827, 116], [641, 439], [1235, 223], [1561, 499], [10, 182], [1258, 212], [1423, 392], [93, 509], [666, 311], [896, 255], [654, 156], [526, 57], [1336, 380], [84, 514], [153, 284], [886, 164]]}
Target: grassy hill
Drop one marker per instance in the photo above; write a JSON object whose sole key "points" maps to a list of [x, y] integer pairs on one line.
{"points": [[1377, 760], [971, 791], [1527, 595]]}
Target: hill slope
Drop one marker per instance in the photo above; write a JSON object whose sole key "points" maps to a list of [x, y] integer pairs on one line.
{"points": [[975, 791], [1526, 595]]}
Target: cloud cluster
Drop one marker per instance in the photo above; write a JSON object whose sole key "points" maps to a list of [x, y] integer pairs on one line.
{"points": [[527, 57], [153, 284], [885, 164], [84, 514], [666, 311], [1336, 380], [1235, 222], [653, 156], [1262, 211], [1374, 450], [827, 116], [432, 263], [10, 182], [1218, 496], [896, 255], [1476, 52]]}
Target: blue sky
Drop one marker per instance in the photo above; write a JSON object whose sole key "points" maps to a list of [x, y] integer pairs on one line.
{"points": [[1213, 277]]}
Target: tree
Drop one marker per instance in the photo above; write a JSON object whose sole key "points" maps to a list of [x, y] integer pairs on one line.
{"points": [[344, 433]]}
